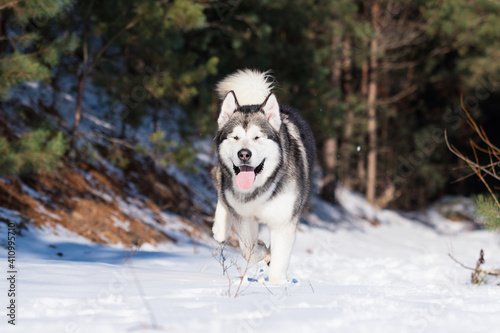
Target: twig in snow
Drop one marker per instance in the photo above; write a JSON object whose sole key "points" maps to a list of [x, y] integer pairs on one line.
{"points": [[221, 258], [268, 289], [245, 271], [129, 254], [478, 275], [154, 324], [458, 262]]}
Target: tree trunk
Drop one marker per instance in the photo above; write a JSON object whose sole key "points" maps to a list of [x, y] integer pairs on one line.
{"points": [[330, 157], [1, 33], [361, 165], [361, 169], [372, 114], [383, 145], [78, 109], [81, 77], [156, 127], [364, 78], [330, 149], [87, 70], [346, 146]]}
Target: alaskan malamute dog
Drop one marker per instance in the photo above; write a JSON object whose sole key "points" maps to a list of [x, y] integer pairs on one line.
{"points": [[266, 153]]}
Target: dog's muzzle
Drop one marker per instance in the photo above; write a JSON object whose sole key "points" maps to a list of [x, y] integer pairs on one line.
{"points": [[245, 175]]}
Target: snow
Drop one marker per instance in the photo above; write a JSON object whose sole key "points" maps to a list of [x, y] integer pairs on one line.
{"points": [[34, 194], [353, 277], [125, 225], [355, 204]]}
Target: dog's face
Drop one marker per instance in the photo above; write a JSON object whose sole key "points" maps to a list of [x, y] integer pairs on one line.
{"points": [[248, 141]]}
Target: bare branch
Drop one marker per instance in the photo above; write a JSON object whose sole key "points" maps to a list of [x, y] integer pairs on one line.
{"points": [[463, 157], [458, 262], [252, 248], [402, 94], [388, 65], [103, 49], [479, 275], [219, 255]]}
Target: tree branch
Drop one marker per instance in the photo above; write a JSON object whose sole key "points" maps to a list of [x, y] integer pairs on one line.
{"points": [[478, 270], [103, 49], [402, 94], [387, 65], [461, 156]]}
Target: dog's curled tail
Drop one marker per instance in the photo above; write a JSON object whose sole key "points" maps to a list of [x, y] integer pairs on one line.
{"points": [[250, 86]]}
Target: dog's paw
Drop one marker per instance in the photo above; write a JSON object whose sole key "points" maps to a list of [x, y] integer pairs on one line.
{"points": [[262, 252]]}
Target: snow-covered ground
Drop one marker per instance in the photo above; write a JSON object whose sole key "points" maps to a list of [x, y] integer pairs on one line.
{"points": [[352, 277]]}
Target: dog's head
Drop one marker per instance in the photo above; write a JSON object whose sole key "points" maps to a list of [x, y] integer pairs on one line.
{"points": [[248, 140]]}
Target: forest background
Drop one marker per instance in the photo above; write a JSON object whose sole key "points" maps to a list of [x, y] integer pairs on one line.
{"points": [[379, 81]]}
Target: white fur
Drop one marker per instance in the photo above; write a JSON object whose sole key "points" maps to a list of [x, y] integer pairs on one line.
{"points": [[261, 148], [277, 215], [222, 223], [227, 109], [272, 112], [250, 86]]}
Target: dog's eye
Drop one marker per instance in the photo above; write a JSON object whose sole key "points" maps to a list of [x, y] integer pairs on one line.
{"points": [[236, 138], [257, 138]]}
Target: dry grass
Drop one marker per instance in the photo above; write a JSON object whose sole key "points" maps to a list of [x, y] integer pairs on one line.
{"points": [[90, 207]]}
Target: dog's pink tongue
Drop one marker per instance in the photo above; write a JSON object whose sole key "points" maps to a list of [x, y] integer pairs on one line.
{"points": [[245, 178]]}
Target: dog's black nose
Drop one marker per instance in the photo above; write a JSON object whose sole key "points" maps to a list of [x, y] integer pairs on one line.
{"points": [[244, 155]]}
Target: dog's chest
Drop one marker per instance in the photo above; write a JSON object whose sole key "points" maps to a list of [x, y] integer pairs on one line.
{"points": [[263, 209]]}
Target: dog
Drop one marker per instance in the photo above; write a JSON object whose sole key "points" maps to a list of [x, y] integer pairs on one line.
{"points": [[265, 156]]}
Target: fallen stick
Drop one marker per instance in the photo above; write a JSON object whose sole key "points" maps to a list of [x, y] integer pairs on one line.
{"points": [[477, 272]]}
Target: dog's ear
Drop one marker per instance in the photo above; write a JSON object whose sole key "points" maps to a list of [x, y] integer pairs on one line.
{"points": [[229, 105], [271, 109]]}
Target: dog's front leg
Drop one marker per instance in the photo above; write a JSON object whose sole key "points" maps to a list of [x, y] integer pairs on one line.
{"points": [[222, 223], [252, 249], [282, 239]]}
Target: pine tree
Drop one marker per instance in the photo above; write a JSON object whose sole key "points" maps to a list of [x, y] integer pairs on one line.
{"points": [[27, 50], [144, 61], [37, 152], [488, 211]]}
